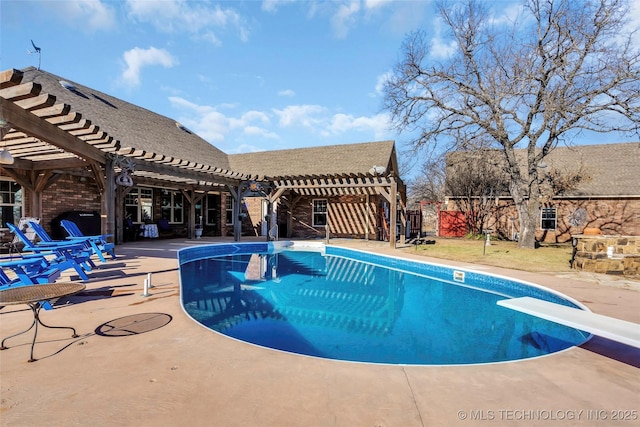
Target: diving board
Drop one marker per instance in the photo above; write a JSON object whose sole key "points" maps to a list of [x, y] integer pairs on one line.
{"points": [[597, 324]]}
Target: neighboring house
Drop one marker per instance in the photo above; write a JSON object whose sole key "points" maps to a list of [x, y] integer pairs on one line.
{"points": [[78, 149], [588, 186]]}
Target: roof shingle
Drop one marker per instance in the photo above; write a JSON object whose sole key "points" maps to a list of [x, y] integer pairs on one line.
{"points": [[325, 160]]}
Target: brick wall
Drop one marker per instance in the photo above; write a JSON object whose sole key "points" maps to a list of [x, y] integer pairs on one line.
{"points": [[65, 194], [69, 193], [612, 216], [250, 211]]}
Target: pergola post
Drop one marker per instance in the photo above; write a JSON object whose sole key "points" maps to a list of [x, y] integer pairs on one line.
{"points": [[108, 201], [237, 223], [393, 213]]}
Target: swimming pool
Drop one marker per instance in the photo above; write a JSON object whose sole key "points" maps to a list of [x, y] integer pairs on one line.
{"points": [[344, 304]]}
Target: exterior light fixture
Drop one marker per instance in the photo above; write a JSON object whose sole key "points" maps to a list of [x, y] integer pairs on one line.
{"points": [[5, 156]]}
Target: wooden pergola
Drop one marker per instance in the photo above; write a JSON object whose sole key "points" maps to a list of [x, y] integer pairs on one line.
{"points": [[47, 139], [297, 187]]}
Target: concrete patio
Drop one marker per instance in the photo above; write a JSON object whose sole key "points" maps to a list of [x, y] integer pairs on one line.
{"points": [[141, 361]]}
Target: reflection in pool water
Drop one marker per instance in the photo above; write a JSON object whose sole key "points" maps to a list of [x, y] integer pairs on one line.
{"points": [[356, 308]]}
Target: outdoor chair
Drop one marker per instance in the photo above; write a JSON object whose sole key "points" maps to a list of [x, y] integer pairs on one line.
{"points": [[45, 238], [15, 246], [28, 269], [64, 254], [164, 229], [98, 243], [131, 230]]}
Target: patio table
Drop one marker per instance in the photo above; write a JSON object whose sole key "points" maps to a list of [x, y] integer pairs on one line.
{"points": [[32, 295], [150, 230]]}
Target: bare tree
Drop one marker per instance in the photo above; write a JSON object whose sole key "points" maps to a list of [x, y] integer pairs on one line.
{"points": [[560, 67], [428, 184], [477, 179]]}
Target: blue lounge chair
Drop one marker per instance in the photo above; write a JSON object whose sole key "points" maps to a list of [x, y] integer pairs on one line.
{"points": [[46, 239], [29, 269], [97, 243], [64, 254]]}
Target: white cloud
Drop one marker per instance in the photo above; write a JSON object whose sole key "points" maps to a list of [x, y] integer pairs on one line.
{"points": [[344, 18], [260, 132], [319, 121], [300, 115], [247, 118], [634, 20], [508, 15], [441, 48], [137, 58], [210, 37], [214, 126], [287, 92], [376, 4], [90, 14], [343, 123], [194, 17], [273, 5], [382, 80], [188, 105], [231, 131]]}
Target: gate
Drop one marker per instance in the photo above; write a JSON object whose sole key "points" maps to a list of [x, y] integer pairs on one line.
{"points": [[452, 224]]}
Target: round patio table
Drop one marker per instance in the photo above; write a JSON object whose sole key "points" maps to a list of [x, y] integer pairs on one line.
{"points": [[33, 295]]}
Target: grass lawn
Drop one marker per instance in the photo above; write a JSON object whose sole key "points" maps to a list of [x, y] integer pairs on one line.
{"points": [[547, 258]]}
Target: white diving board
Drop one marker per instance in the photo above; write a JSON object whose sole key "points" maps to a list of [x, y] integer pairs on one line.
{"points": [[596, 324]]}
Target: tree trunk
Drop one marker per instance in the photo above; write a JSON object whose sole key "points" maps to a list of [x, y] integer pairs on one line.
{"points": [[528, 224], [527, 208]]}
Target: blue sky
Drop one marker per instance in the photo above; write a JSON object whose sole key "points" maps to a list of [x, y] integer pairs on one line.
{"points": [[244, 75]]}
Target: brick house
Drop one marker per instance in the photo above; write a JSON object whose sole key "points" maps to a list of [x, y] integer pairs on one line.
{"points": [[605, 197], [75, 149]]}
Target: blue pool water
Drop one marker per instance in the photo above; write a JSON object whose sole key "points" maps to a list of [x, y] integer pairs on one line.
{"points": [[350, 305]]}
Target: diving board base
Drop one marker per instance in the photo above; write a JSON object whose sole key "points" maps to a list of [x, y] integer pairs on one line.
{"points": [[603, 326]]}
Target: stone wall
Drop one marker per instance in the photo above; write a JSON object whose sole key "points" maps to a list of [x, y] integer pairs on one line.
{"points": [[607, 254], [614, 216]]}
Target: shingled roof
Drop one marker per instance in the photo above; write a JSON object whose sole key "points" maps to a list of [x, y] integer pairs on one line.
{"points": [[133, 126], [611, 169], [324, 160], [608, 170]]}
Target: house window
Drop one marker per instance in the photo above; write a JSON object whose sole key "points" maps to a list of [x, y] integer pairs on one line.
{"points": [[229, 210], [319, 212], [213, 206], [207, 209], [138, 204], [10, 202], [172, 207], [548, 218]]}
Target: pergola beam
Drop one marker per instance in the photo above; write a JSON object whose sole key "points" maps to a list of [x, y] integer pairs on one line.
{"points": [[33, 125]]}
